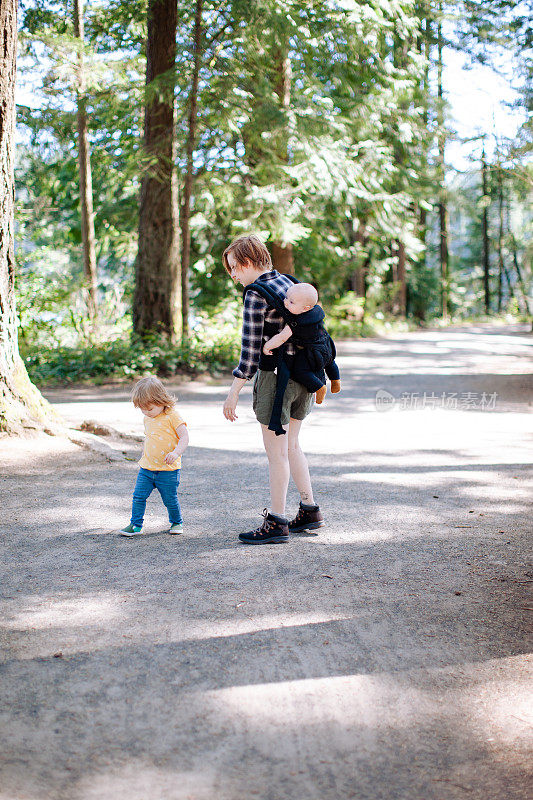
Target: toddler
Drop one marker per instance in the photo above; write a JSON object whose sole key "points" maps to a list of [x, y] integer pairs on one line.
{"points": [[160, 466]]}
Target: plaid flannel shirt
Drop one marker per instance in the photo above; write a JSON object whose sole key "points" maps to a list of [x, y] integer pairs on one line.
{"points": [[255, 312]]}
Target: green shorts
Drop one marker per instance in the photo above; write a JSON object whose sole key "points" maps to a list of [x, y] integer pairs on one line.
{"points": [[297, 401]]}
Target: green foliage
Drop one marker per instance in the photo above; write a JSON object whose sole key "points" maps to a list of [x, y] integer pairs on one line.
{"points": [[342, 166], [210, 349]]}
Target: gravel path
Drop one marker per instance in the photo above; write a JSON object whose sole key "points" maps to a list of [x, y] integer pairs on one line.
{"points": [[385, 658]]}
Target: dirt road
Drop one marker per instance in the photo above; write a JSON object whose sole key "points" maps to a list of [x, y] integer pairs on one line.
{"points": [[384, 659]]}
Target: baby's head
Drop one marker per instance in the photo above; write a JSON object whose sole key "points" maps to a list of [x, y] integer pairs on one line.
{"points": [[300, 297], [151, 397]]}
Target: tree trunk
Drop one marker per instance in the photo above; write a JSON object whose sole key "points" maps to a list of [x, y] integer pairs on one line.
{"points": [[424, 48], [282, 253], [399, 274], [443, 206], [357, 280], [398, 305], [156, 298], [21, 405], [485, 227], [402, 282], [189, 175], [283, 258], [522, 294], [444, 255], [501, 265], [84, 165]]}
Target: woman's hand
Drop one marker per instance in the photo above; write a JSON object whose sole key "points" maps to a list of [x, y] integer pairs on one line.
{"points": [[230, 405]]}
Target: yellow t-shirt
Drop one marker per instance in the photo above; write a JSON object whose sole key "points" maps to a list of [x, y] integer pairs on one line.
{"points": [[161, 438]]}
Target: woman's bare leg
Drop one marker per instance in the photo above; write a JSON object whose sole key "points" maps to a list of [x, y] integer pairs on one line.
{"points": [[276, 448], [298, 463]]}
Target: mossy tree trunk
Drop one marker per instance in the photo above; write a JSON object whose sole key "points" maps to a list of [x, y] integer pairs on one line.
{"points": [[21, 405]]}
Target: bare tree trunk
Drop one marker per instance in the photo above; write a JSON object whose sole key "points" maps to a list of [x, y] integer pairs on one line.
{"points": [[357, 279], [189, 175], [282, 254], [21, 405], [485, 226], [398, 305], [522, 294], [501, 265], [156, 299], [402, 282], [443, 207], [424, 48], [84, 165], [283, 257], [399, 274]]}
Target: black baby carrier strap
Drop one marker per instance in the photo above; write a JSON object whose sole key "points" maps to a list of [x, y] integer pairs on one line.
{"points": [[279, 360], [267, 293]]}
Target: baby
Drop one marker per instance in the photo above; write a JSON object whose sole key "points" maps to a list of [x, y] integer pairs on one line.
{"points": [[315, 350]]}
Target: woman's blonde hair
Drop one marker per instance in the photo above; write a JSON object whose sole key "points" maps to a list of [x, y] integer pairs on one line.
{"points": [[248, 247], [151, 390]]}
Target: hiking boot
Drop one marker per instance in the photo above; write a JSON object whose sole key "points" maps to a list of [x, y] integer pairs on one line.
{"points": [[308, 518], [131, 530], [177, 527], [273, 530]]}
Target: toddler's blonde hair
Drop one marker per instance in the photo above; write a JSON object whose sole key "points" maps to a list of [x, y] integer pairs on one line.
{"points": [[151, 390]]}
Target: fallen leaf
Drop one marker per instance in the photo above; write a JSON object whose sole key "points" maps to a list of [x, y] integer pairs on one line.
{"points": [[328, 576]]}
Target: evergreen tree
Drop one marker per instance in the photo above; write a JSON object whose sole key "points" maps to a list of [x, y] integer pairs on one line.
{"points": [[21, 405], [156, 269]]}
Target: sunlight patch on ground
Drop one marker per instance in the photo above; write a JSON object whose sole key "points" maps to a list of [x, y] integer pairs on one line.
{"points": [[47, 631], [138, 781], [255, 624], [67, 613], [490, 698], [479, 484]]}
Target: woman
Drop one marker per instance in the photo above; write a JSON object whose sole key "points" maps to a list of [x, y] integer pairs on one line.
{"points": [[247, 260]]}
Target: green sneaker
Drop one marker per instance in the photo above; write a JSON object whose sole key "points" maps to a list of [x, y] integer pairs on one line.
{"points": [[131, 530], [177, 528]]}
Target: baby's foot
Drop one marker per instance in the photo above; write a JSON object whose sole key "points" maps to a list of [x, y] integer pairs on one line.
{"points": [[319, 396]]}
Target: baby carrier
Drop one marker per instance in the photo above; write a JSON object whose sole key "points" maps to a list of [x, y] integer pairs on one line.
{"points": [[316, 355]]}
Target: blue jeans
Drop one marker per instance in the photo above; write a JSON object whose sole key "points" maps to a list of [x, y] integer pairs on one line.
{"points": [[166, 482]]}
